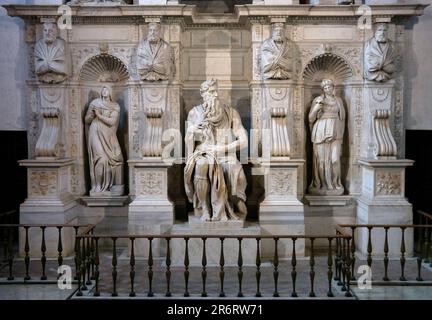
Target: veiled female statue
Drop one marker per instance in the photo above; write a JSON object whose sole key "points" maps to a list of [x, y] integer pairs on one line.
{"points": [[327, 124], [105, 157]]}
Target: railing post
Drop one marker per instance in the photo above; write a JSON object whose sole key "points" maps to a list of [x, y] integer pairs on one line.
{"points": [[348, 270], [353, 251], [343, 265], [204, 270], [78, 264], [83, 257], [132, 267], [240, 268], [386, 259], [330, 268], [186, 264], [43, 250], [10, 253], [114, 267], [59, 249], [258, 268], [402, 259], [27, 255], [168, 271], [150, 268], [96, 293], [222, 271], [312, 271], [293, 271]]}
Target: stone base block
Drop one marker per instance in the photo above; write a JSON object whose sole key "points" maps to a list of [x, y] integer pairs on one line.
{"points": [[384, 212], [213, 245], [195, 222], [328, 200], [105, 201]]}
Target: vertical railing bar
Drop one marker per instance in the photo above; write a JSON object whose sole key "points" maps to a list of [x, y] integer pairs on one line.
{"points": [[96, 293], [293, 271], [258, 268], [204, 270], [222, 270], [114, 268], [27, 255], [43, 250], [186, 264], [132, 267], [386, 258], [168, 270], [276, 266], [150, 268], [402, 259], [353, 251], [330, 268], [348, 269], [312, 271], [240, 268], [59, 248]]}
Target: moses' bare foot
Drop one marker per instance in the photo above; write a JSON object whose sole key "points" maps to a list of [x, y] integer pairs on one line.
{"points": [[205, 217]]}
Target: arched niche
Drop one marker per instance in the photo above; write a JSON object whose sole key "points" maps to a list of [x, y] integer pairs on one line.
{"points": [[331, 66], [104, 68], [98, 71]]}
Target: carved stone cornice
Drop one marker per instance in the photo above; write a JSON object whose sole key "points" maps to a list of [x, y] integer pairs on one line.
{"points": [[188, 13]]}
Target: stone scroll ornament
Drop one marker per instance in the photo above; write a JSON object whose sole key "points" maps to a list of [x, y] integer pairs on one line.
{"points": [[280, 141], [50, 56], [327, 123], [384, 143], [379, 56], [153, 136], [277, 55], [48, 143], [155, 57], [105, 156], [214, 178]]}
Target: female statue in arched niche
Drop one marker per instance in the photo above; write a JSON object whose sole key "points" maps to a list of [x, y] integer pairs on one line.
{"points": [[327, 124], [105, 156]]}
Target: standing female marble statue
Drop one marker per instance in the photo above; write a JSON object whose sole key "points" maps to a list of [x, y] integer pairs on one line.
{"points": [[105, 157], [327, 123]]}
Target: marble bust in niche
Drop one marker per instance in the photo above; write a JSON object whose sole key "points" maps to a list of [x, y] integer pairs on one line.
{"points": [[277, 55], [379, 60], [50, 56], [155, 57]]}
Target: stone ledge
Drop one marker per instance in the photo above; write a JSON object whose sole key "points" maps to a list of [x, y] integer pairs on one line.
{"points": [[328, 200], [118, 201]]}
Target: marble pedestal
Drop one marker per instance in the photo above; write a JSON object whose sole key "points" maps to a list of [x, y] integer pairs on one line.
{"points": [[282, 212], [49, 201], [150, 212], [383, 202], [213, 245]]}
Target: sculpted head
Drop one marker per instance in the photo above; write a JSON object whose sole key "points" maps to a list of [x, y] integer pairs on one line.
{"points": [[50, 32], [327, 86], [154, 32], [106, 93], [278, 32], [381, 30]]}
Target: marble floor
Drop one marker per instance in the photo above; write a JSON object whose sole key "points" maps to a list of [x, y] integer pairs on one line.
{"points": [[17, 289]]}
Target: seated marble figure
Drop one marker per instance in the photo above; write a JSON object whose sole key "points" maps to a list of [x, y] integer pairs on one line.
{"points": [[214, 178]]}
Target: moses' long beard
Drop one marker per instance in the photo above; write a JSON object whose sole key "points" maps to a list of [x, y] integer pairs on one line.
{"points": [[213, 110]]}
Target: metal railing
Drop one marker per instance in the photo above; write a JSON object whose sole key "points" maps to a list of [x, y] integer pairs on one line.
{"points": [[422, 247], [10, 251], [89, 254]]}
